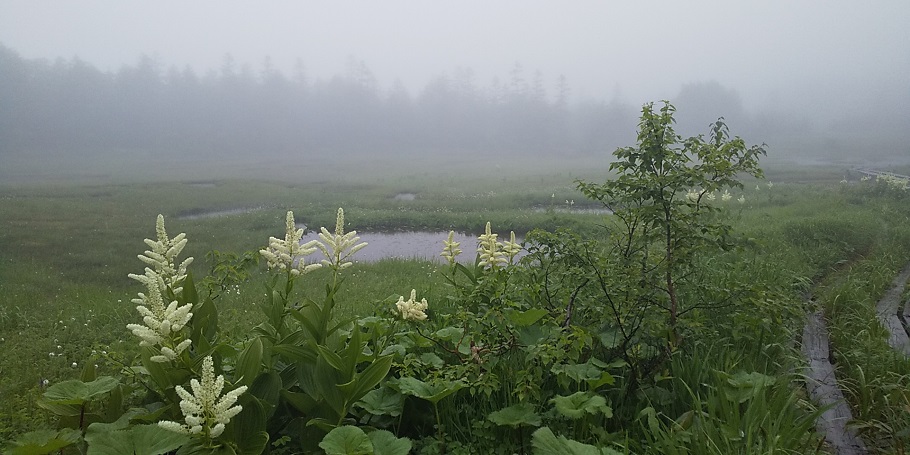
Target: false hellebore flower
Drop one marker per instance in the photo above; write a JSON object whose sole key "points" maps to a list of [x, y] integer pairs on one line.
{"points": [[338, 247], [281, 254], [450, 248], [162, 324], [204, 413], [489, 249], [163, 256], [411, 309], [510, 247]]}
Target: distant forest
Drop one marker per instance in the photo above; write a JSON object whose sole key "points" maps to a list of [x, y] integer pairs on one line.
{"points": [[69, 105]]}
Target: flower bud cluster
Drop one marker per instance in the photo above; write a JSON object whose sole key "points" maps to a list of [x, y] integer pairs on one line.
{"points": [[163, 256], [205, 414], [161, 324], [411, 309], [284, 254]]}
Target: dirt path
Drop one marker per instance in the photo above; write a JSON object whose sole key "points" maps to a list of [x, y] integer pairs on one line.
{"points": [[824, 391], [889, 311]]}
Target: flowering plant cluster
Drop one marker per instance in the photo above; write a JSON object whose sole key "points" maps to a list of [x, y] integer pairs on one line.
{"points": [[162, 324], [338, 246], [288, 254], [411, 309], [205, 413]]}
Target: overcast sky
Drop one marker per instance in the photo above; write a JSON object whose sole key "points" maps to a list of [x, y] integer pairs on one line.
{"points": [[769, 51]]}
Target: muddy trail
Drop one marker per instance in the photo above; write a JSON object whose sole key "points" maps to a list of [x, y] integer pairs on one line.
{"points": [[821, 382]]}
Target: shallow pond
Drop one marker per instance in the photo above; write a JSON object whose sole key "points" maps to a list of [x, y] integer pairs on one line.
{"points": [[406, 245]]}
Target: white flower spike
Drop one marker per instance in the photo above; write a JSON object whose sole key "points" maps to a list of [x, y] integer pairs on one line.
{"points": [[511, 248], [451, 248], [288, 254], [205, 414], [490, 250], [338, 247], [161, 324], [163, 256], [411, 309]]}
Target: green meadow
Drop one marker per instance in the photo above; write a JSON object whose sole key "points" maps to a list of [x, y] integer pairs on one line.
{"points": [[66, 248]]}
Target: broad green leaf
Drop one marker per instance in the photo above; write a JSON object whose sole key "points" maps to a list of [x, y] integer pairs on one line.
{"points": [[528, 317], [331, 358], [578, 404], [42, 442], [77, 392], [743, 386], [295, 353], [140, 440], [367, 379], [347, 440], [385, 443], [247, 429], [545, 442], [249, 364], [300, 401], [515, 416], [431, 392], [382, 401], [432, 359]]}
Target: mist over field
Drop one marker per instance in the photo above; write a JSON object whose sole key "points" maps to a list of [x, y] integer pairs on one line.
{"points": [[107, 90]]}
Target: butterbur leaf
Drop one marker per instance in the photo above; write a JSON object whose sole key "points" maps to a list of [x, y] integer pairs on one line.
{"points": [[78, 392], [743, 386], [578, 404], [140, 440], [382, 401], [385, 443], [431, 392], [346, 440], [545, 442], [515, 416], [44, 441]]}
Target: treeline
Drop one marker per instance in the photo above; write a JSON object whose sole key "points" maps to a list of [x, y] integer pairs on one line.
{"points": [[71, 105]]}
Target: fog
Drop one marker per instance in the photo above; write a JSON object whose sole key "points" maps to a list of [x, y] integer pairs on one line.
{"points": [[87, 85]]}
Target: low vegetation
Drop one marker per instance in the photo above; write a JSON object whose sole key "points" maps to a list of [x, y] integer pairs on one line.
{"points": [[669, 326]]}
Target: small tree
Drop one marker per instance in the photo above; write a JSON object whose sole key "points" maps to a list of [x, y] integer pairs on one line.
{"points": [[660, 199]]}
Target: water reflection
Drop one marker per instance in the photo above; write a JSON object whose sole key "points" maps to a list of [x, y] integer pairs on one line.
{"points": [[407, 245]]}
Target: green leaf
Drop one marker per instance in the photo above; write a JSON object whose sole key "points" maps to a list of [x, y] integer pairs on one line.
{"points": [[385, 443], [432, 359], [433, 393], [526, 318], [249, 364], [78, 392], [382, 401], [300, 401], [545, 442], [247, 429], [331, 358], [295, 353], [140, 440], [42, 442], [515, 416], [743, 386], [347, 440], [368, 379], [578, 404], [189, 289]]}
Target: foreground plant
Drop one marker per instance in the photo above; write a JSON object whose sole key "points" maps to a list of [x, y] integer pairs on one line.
{"points": [[206, 412]]}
